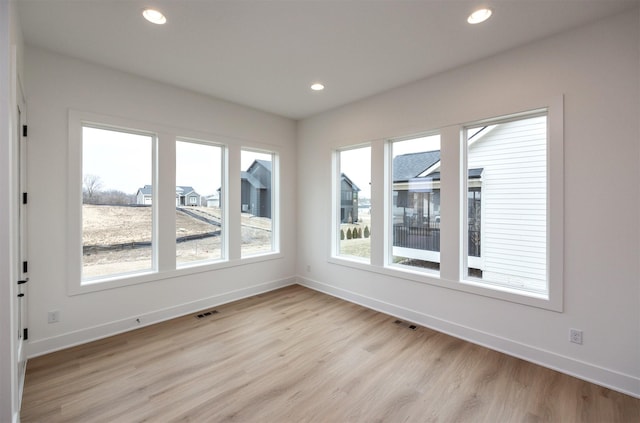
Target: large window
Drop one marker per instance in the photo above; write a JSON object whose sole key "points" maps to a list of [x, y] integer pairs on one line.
{"points": [[506, 210], [353, 225], [415, 208], [258, 178], [149, 202], [488, 222], [117, 202], [199, 217]]}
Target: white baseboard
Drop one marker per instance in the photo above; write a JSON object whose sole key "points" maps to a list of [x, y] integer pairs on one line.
{"points": [[56, 343], [601, 376]]}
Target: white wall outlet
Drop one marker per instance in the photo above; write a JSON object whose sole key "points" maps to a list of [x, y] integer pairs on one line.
{"points": [[53, 316], [575, 336]]}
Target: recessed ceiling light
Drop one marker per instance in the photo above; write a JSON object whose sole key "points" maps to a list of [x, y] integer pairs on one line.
{"points": [[479, 16], [154, 16], [317, 87]]}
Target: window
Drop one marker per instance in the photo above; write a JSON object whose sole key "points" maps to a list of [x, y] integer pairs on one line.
{"points": [[353, 228], [117, 202], [149, 202], [498, 229], [506, 206], [257, 197], [199, 218], [415, 208]]}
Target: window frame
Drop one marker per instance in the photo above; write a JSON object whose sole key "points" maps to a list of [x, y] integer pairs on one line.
{"points": [[336, 207], [389, 233], [164, 174], [553, 299], [275, 202], [452, 203], [77, 121], [224, 245]]}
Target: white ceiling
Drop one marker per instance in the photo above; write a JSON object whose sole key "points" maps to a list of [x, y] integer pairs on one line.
{"points": [[266, 53]]}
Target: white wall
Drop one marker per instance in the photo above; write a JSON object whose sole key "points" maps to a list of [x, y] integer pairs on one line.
{"points": [[596, 68], [55, 85]]}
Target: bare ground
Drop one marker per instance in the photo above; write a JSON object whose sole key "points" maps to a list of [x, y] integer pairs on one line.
{"points": [[108, 226]]}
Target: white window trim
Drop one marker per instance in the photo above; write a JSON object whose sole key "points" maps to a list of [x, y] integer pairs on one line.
{"points": [[451, 270], [77, 121], [275, 200], [388, 210], [336, 203], [224, 245], [164, 209]]}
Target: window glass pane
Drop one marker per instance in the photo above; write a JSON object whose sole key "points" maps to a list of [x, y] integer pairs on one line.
{"points": [[117, 202], [354, 222], [257, 194], [507, 203], [198, 192], [416, 202]]}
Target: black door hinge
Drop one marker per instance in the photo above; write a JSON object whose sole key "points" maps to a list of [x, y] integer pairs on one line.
{"points": [[24, 130], [25, 334], [24, 198], [25, 267]]}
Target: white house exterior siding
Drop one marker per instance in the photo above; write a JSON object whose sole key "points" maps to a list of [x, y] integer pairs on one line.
{"points": [[142, 199], [513, 206]]}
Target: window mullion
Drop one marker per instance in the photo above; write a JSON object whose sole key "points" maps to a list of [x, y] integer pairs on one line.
{"points": [[164, 212], [451, 245], [232, 203], [377, 206]]}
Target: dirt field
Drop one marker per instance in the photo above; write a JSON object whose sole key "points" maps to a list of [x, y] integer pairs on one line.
{"points": [[105, 227]]}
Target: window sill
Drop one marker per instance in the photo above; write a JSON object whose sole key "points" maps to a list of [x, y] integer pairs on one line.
{"points": [[129, 279], [433, 278]]}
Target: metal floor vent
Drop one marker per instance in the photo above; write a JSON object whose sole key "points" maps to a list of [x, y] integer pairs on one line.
{"points": [[206, 314], [406, 325]]}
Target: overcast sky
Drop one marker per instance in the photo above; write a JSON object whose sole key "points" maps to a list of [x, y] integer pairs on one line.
{"points": [[356, 163], [123, 161]]}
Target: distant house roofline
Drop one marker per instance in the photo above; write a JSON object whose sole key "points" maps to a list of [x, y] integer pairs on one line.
{"points": [[350, 182]]}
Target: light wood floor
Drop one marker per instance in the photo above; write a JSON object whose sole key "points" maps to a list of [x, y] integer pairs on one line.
{"points": [[295, 355]]}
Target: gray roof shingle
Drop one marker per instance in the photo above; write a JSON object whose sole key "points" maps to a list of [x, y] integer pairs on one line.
{"points": [[409, 166]]}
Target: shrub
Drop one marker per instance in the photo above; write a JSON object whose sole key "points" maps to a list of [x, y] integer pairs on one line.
{"points": [[359, 232], [342, 234], [349, 235], [366, 232]]}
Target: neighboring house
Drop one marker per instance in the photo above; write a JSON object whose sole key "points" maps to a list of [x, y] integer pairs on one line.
{"points": [[213, 200], [504, 203], [144, 195], [256, 189], [185, 196], [348, 200]]}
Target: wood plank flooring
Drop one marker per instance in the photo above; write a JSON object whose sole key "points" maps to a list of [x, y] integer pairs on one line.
{"points": [[296, 355]]}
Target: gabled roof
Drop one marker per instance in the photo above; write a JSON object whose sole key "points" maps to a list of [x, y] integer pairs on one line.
{"points": [[185, 190], [409, 166], [252, 180], [145, 190], [349, 181], [264, 163]]}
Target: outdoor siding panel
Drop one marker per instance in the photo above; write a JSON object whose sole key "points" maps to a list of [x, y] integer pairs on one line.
{"points": [[514, 238]]}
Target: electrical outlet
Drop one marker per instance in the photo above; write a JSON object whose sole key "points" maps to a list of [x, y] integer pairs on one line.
{"points": [[575, 336], [53, 316]]}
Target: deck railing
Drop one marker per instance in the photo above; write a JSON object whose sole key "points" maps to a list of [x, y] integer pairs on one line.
{"points": [[427, 237]]}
